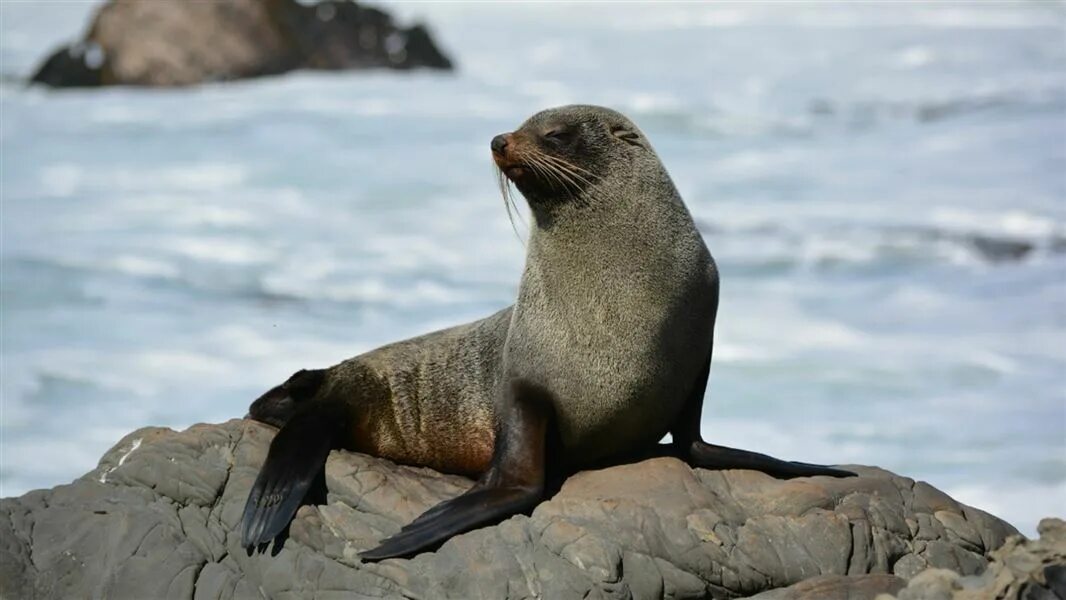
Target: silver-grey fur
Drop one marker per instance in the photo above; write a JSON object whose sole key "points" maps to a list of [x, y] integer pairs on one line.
{"points": [[615, 311]]}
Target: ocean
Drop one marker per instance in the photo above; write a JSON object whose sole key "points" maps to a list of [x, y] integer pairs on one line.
{"points": [[883, 187]]}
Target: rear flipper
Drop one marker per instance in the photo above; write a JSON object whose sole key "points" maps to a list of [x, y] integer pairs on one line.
{"points": [[689, 445], [710, 456], [297, 455]]}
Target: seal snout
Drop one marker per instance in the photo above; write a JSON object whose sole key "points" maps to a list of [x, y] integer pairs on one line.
{"points": [[503, 151], [499, 143]]}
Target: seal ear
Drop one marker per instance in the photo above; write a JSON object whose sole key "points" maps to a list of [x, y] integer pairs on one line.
{"points": [[627, 135]]}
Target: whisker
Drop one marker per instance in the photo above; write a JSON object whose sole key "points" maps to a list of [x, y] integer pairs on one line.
{"points": [[548, 169], [508, 201], [532, 164], [572, 184], [566, 183], [572, 166], [556, 168], [567, 173], [514, 203], [564, 167]]}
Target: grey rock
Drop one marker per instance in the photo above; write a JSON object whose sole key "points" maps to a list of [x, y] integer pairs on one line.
{"points": [[187, 42], [1001, 249], [159, 518], [837, 587], [1020, 569]]}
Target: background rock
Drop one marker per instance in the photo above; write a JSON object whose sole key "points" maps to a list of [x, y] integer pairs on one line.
{"points": [[183, 43], [159, 518]]}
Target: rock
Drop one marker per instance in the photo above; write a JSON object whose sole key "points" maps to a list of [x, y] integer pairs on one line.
{"points": [[1020, 569], [159, 517], [996, 250], [837, 587], [183, 43]]}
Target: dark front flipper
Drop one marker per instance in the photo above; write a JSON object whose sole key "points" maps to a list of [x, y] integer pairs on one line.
{"points": [[297, 455], [483, 506], [514, 483], [690, 446]]}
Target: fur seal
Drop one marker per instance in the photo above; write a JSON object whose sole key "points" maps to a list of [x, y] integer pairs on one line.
{"points": [[606, 350]]}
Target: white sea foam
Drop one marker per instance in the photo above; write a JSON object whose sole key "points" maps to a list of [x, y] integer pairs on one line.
{"points": [[145, 267], [913, 57], [219, 249], [64, 179], [919, 299], [1007, 222]]}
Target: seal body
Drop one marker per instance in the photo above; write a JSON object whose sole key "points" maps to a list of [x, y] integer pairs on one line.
{"points": [[606, 349], [428, 400]]}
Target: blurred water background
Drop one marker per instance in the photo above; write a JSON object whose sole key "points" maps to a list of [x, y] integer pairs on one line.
{"points": [[883, 185]]}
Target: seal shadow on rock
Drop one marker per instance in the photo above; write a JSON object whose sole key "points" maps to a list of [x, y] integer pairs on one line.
{"points": [[606, 350]]}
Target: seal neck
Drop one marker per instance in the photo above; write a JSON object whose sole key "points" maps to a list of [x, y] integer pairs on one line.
{"points": [[622, 209], [643, 231]]}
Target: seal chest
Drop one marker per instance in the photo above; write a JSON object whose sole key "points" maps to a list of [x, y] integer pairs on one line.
{"points": [[617, 340]]}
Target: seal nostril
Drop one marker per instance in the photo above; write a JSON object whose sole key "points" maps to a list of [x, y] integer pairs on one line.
{"points": [[499, 143]]}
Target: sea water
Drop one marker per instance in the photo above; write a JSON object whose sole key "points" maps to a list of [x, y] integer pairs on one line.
{"points": [[882, 185]]}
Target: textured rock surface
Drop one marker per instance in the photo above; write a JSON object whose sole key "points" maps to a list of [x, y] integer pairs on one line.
{"points": [[187, 42], [837, 587], [1020, 569], [159, 518]]}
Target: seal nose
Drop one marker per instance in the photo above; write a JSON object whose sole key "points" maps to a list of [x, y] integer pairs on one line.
{"points": [[499, 143]]}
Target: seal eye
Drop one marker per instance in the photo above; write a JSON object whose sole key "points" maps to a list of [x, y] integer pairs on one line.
{"points": [[556, 134]]}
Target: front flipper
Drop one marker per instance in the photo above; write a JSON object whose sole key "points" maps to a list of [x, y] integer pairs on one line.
{"points": [[296, 457], [475, 508], [690, 445], [514, 483]]}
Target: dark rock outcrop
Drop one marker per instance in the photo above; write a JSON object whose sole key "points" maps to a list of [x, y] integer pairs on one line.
{"points": [[159, 518], [187, 42]]}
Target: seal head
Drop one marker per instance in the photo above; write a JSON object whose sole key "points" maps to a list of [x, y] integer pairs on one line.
{"points": [[575, 155]]}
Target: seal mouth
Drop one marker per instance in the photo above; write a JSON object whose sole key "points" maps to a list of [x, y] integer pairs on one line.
{"points": [[512, 170]]}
